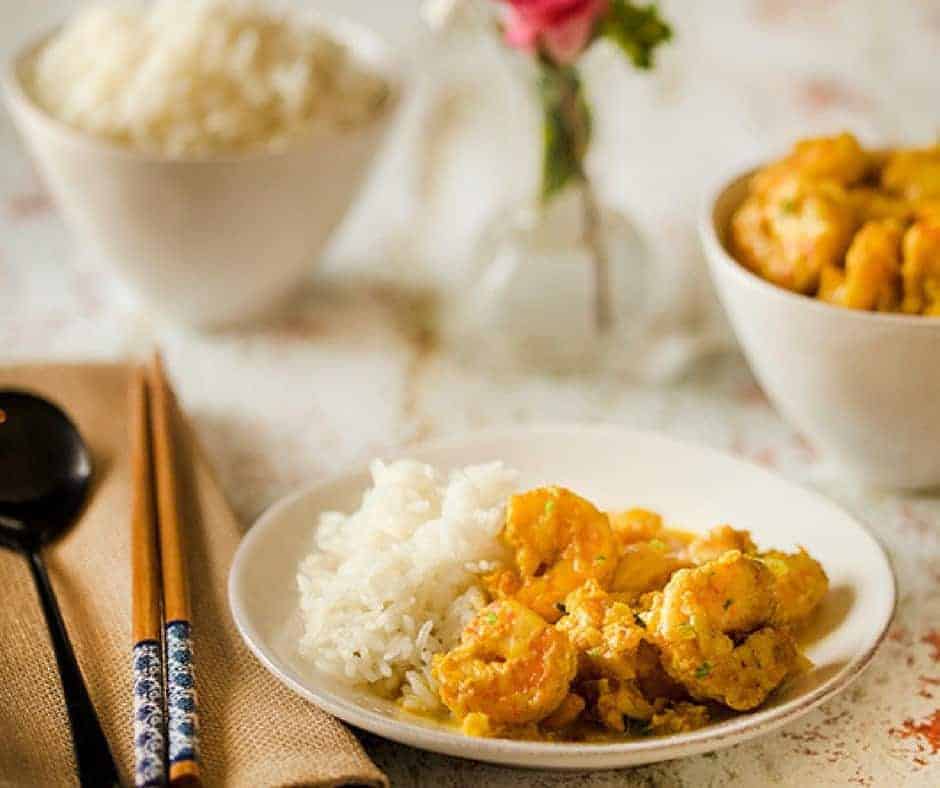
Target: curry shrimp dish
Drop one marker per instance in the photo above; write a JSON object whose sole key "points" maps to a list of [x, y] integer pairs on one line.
{"points": [[536, 615], [852, 227]]}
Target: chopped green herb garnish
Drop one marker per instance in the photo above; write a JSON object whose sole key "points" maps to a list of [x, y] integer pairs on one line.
{"points": [[703, 670], [788, 206], [658, 544], [728, 603], [491, 618], [550, 506], [600, 559]]}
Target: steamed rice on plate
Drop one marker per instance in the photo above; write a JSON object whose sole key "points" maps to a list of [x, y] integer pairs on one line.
{"points": [[395, 582], [201, 77], [532, 614]]}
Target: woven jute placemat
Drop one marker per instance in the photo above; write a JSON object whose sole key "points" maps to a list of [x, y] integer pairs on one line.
{"points": [[254, 732]]}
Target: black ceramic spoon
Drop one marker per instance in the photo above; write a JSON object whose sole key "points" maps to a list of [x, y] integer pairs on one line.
{"points": [[45, 474]]}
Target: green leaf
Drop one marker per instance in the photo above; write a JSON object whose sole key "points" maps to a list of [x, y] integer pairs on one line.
{"points": [[637, 30], [559, 165], [566, 127]]}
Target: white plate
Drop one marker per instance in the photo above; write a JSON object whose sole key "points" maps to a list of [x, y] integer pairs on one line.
{"points": [[616, 468]]}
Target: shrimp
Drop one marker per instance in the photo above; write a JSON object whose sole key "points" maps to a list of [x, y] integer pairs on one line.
{"points": [[799, 588], [789, 234], [646, 566], [921, 268], [635, 525], [873, 205], [567, 713], [696, 615], [913, 173], [928, 210], [839, 158], [872, 276], [719, 541], [510, 668], [560, 541], [752, 241], [604, 630], [619, 667]]}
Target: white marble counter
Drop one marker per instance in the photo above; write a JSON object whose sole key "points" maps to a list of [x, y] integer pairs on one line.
{"points": [[352, 369]]}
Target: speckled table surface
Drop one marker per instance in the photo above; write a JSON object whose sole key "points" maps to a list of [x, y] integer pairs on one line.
{"points": [[350, 371]]}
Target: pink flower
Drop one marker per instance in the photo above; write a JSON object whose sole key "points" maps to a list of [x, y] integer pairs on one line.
{"points": [[562, 28]]}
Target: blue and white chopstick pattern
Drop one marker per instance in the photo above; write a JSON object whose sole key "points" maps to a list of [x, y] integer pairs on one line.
{"points": [[149, 739], [182, 722]]}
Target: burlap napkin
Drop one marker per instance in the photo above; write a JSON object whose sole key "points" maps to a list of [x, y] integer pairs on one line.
{"points": [[255, 732]]}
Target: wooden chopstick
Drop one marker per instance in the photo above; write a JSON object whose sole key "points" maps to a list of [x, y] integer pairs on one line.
{"points": [[147, 621], [182, 718]]}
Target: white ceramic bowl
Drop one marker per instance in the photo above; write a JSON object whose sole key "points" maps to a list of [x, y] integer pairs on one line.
{"points": [[862, 386], [205, 241]]}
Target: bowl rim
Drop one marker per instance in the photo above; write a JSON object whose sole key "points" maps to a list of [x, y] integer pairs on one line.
{"points": [[721, 261], [362, 40]]}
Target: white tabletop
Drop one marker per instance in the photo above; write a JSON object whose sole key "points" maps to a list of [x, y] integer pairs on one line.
{"points": [[352, 370]]}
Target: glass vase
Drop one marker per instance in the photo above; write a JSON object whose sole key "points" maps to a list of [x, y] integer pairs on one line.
{"points": [[558, 287]]}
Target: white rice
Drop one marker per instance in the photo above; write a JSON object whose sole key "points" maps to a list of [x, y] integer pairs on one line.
{"points": [[396, 581], [197, 77]]}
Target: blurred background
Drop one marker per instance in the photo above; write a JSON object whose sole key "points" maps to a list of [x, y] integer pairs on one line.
{"points": [[742, 79]]}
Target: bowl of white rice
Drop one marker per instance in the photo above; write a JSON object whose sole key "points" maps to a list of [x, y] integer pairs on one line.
{"points": [[204, 150]]}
